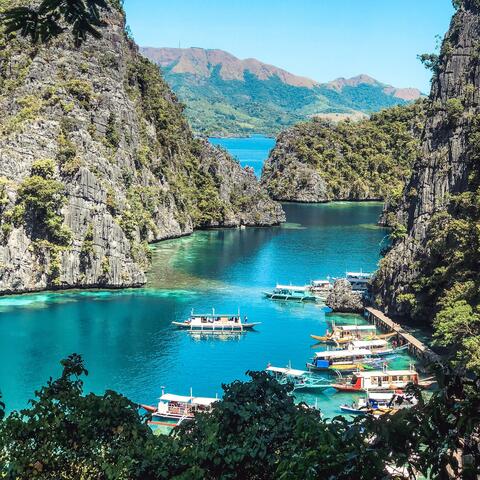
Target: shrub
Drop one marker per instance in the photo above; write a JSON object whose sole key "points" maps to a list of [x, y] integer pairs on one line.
{"points": [[81, 90]]}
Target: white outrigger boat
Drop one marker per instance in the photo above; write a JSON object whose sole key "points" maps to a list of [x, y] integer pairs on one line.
{"points": [[358, 280], [179, 407], [380, 381], [291, 292], [379, 347], [379, 403], [343, 361], [216, 323], [300, 379]]}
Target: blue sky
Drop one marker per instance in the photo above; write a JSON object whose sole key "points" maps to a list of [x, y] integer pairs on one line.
{"points": [[321, 39]]}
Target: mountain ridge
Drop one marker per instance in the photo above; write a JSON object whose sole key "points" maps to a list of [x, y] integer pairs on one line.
{"points": [[233, 68], [225, 95]]}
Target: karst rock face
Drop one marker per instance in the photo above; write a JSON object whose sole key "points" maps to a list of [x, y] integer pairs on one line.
{"points": [[343, 299], [127, 169], [444, 163]]}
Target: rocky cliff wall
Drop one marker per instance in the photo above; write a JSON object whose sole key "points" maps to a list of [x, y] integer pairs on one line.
{"points": [[97, 160], [444, 165]]}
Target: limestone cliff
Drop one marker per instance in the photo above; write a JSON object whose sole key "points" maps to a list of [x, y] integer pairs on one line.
{"points": [[343, 299], [433, 212], [318, 161], [97, 160]]}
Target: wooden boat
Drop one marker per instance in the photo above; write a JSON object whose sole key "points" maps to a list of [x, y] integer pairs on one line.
{"points": [[291, 293], [379, 380], [179, 407], [343, 361], [300, 379], [320, 288], [344, 334], [216, 323], [378, 347], [379, 403]]}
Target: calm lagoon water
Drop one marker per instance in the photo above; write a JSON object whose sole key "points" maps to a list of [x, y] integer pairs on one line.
{"points": [[126, 337], [249, 151]]}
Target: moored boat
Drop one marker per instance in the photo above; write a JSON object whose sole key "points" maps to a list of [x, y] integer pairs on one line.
{"points": [[378, 347], [179, 407], [292, 293], [358, 280], [344, 334], [320, 288], [343, 361], [379, 403], [299, 379], [379, 380], [216, 323]]}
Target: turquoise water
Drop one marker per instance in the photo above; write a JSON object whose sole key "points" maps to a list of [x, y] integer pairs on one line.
{"points": [[126, 337], [249, 151]]}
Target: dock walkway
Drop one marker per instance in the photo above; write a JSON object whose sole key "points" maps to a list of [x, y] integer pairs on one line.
{"points": [[416, 347]]}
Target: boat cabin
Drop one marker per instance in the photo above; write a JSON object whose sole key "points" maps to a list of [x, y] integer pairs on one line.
{"points": [[383, 379], [179, 406], [356, 331], [358, 280], [288, 372], [291, 292], [320, 286], [214, 317], [371, 345], [331, 358]]}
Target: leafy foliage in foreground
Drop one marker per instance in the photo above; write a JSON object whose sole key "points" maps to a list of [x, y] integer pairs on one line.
{"points": [[255, 432], [53, 17]]}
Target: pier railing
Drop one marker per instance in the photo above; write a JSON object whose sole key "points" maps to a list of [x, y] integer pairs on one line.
{"points": [[416, 347]]}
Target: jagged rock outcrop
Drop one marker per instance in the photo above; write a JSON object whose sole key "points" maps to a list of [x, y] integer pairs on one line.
{"points": [[343, 299], [318, 161], [444, 166], [126, 167]]}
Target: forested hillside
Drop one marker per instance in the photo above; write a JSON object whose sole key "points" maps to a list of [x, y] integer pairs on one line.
{"points": [[371, 159], [227, 96]]}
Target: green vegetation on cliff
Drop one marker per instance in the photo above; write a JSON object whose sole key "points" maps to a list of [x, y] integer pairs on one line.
{"points": [[431, 273], [369, 159], [448, 287]]}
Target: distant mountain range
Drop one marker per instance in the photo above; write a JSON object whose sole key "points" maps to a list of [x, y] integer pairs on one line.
{"points": [[228, 96]]}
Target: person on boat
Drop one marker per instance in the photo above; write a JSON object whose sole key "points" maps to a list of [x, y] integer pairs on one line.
{"points": [[245, 319]]}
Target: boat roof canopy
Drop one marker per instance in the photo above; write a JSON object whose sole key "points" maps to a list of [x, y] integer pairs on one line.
{"points": [[197, 315], [357, 352], [287, 371], [348, 328], [169, 397], [291, 287], [359, 275], [369, 343], [320, 282], [385, 373], [204, 401], [380, 396]]}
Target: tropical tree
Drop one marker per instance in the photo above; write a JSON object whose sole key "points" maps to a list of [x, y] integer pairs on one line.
{"points": [[53, 17]]}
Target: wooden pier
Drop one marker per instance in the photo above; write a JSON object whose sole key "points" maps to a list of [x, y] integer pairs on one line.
{"points": [[416, 347]]}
